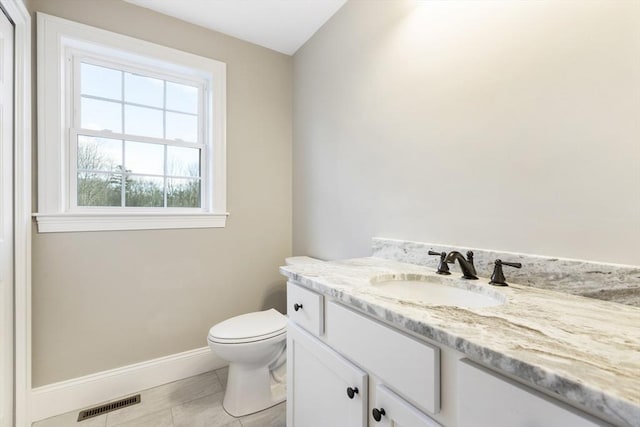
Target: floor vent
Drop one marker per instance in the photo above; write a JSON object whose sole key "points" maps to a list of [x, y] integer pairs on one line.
{"points": [[103, 409]]}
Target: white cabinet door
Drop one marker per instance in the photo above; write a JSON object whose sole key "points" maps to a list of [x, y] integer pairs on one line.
{"points": [[391, 410], [488, 399], [317, 384]]}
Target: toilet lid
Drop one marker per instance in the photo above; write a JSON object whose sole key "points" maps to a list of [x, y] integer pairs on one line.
{"points": [[250, 326]]}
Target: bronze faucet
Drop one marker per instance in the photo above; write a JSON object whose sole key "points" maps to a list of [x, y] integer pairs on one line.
{"points": [[466, 264]]}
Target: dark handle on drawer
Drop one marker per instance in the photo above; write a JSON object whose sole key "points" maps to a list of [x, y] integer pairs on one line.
{"points": [[352, 391], [378, 413], [297, 306]]}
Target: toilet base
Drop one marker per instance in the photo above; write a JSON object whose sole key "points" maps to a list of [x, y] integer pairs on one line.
{"points": [[250, 390]]}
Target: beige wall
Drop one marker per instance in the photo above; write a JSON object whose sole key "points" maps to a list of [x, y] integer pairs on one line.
{"points": [[511, 125], [108, 299]]}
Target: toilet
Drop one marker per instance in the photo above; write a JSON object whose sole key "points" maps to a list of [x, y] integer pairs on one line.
{"points": [[254, 344]]}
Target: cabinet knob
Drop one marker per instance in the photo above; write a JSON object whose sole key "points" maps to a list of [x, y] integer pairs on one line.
{"points": [[378, 413], [297, 306], [352, 391]]}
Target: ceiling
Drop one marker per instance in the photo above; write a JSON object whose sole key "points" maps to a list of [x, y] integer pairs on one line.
{"points": [[281, 25]]}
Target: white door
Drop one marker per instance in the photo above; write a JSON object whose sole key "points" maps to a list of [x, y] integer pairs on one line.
{"points": [[488, 399], [323, 388], [391, 410], [6, 221]]}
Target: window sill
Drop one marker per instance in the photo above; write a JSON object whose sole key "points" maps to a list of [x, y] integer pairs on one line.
{"points": [[70, 222]]}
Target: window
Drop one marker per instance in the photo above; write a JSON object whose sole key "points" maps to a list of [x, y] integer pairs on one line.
{"points": [[131, 134], [135, 138]]}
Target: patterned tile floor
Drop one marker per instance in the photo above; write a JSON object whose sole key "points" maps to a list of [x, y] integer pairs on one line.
{"points": [[192, 402]]}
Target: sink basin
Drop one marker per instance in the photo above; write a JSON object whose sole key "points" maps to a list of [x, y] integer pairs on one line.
{"points": [[435, 290]]}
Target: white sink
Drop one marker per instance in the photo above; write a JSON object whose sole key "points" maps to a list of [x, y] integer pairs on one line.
{"points": [[435, 290]]}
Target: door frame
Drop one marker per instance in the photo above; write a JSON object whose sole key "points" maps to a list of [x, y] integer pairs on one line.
{"points": [[18, 13]]}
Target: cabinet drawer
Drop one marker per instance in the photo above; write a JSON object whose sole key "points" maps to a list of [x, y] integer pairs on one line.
{"points": [[409, 367], [486, 398], [397, 412], [304, 307]]}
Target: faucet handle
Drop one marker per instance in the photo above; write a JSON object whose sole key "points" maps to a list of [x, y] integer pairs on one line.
{"points": [[497, 278], [511, 264], [470, 259], [443, 267]]}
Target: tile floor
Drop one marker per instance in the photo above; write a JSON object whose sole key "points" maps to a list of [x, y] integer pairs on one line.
{"points": [[192, 402]]}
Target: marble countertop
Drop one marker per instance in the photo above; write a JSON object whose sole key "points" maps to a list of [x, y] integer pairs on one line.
{"points": [[583, 350]]}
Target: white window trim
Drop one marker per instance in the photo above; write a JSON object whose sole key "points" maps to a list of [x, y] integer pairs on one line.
{"points": [[55, 37]]}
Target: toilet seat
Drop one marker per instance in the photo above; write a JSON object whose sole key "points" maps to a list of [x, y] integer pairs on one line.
{"points": [[251, 327]]}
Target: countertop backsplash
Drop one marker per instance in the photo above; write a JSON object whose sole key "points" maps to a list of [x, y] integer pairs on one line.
{"points": [[609, 282]]}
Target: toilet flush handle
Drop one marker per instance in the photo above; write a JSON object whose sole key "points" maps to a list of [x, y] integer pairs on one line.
{"points": [[297, 306]]}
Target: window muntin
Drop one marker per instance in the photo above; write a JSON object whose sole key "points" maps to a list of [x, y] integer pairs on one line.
{"points": [[137, 138]]}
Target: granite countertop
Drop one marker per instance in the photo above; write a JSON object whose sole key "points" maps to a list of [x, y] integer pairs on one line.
{"points": [[583, 350]]}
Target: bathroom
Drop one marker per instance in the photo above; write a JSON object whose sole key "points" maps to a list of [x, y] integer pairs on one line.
{"points": [[507, 125]]}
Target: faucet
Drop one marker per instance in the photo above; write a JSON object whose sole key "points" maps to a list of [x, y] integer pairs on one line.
{"points": [[466, 264]]}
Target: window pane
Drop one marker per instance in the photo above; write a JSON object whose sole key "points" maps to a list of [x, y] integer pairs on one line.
{"points": [[182, 98], [144, 158], [99, 189], [99, 154], [182, 161], [182, 126], [183, 193], [144, 191], [100, 81], [101, 115], [142, 121], [143, 90]]}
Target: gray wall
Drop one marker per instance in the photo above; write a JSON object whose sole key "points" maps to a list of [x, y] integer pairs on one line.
{"points": [[107, 299], [505, 125]]}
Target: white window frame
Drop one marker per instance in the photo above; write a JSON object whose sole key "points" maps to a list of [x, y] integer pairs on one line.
{"points": [[62, 44]]}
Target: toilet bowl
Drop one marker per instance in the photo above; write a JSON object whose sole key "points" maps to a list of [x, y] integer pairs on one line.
{"points": [[254, 345]]}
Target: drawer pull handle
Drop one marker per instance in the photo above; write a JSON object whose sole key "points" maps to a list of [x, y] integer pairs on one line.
{"points": [[297, 306], [352, 391], [378, 413]]}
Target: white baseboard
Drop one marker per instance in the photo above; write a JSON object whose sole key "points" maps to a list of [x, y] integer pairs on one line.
{"points": [[78, 393]]}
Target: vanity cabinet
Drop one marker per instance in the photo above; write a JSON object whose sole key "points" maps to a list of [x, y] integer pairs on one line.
{"points": [[326, 388], [346, 369], [323, 389], [486, 398]]}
